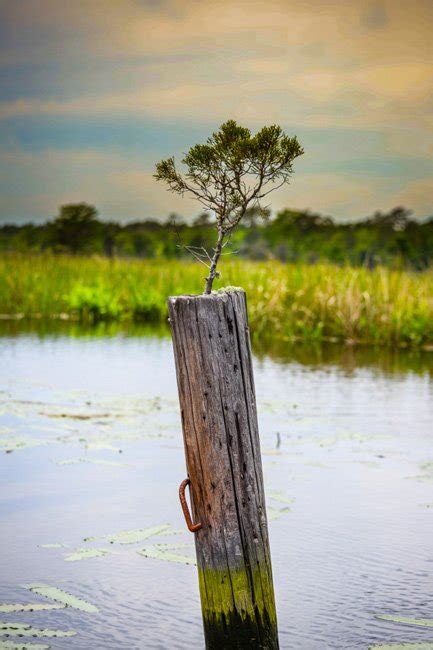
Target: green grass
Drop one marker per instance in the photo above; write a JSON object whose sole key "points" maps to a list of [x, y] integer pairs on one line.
{"points": [[286, 301]]}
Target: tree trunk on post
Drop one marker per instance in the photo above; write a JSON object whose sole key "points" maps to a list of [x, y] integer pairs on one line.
{"points": [[217, 400]]}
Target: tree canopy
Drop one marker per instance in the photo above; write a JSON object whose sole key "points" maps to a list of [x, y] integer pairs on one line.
{"points": [[230, 174], [75, 226], [392, 238]]}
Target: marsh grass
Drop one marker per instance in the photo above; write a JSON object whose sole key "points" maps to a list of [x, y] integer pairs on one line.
{"points": [[290, 302]]}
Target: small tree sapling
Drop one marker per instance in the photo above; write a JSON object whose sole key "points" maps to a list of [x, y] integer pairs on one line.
{"points": [[229, 175]]}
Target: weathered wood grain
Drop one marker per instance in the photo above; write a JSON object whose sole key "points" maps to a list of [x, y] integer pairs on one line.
{"points": [[218, 407]]}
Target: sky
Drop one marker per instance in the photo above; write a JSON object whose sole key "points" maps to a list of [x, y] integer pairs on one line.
{"points": [[94, 92]]}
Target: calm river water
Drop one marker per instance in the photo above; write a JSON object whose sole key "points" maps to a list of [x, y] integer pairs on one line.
{"points": [[91, 449]]}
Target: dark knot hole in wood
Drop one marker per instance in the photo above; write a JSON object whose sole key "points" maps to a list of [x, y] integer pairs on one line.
{"points": [[193, 528]]}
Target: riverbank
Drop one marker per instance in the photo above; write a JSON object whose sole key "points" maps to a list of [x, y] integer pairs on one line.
{"points": [[288, 302]]}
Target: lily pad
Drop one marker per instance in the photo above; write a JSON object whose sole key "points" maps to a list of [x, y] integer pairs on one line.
{"points": [[15, 443], [100, 445], [423, 622], [276, 513], [76, 416], [60, 596], [428, 467], [86, 554], [11, 645], [280, 496], [138, 535], [53, 545], [28, 607], [427, 475], [24, 629], [164, 552], [402, 646], [92, 461]]}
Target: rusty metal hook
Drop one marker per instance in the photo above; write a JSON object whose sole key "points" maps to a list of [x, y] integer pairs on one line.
{"points": [[193, 528]]}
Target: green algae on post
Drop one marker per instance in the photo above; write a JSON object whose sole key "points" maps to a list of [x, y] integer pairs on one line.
{"points": [[230, 618]]}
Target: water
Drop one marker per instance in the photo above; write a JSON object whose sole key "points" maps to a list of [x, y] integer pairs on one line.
{"points": [[346, 438]]}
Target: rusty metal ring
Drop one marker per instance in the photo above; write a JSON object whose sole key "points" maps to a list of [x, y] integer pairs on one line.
{"points": [[193, 528]]}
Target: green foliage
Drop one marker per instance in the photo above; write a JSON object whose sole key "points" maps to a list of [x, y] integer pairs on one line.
{"points": [[94, 303], [229, 175], [286, 302], [75, 227], [386, 239], [99, 302], [217, 172]]}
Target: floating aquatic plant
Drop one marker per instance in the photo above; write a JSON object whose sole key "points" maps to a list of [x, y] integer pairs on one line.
{"points": [[423, 622], [54, 545], [138, 535], [11, 645], [86, 554], [280, 496], [63, 597], [16, 443], [276, 513], [92, 461], [164, 552], [427, 475], [100, 445], [402, 646], [29, 607], [24, 629], [76, 416]]}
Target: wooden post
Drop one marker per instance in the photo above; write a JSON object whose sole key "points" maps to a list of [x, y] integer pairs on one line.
{"points": [[218, 407]]}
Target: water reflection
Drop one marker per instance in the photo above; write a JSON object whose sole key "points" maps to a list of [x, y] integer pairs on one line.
{"points": [[89, 418], [387, 360], [348, 357]]}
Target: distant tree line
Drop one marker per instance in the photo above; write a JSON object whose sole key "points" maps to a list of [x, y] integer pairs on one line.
{"points": [[390, 238]]}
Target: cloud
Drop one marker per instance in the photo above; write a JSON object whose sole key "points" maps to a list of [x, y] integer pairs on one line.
{"points": [[336, 194], [123, 188], [33, 185], [375, 16], [345, 65], [417, 193], [356, 66]]}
